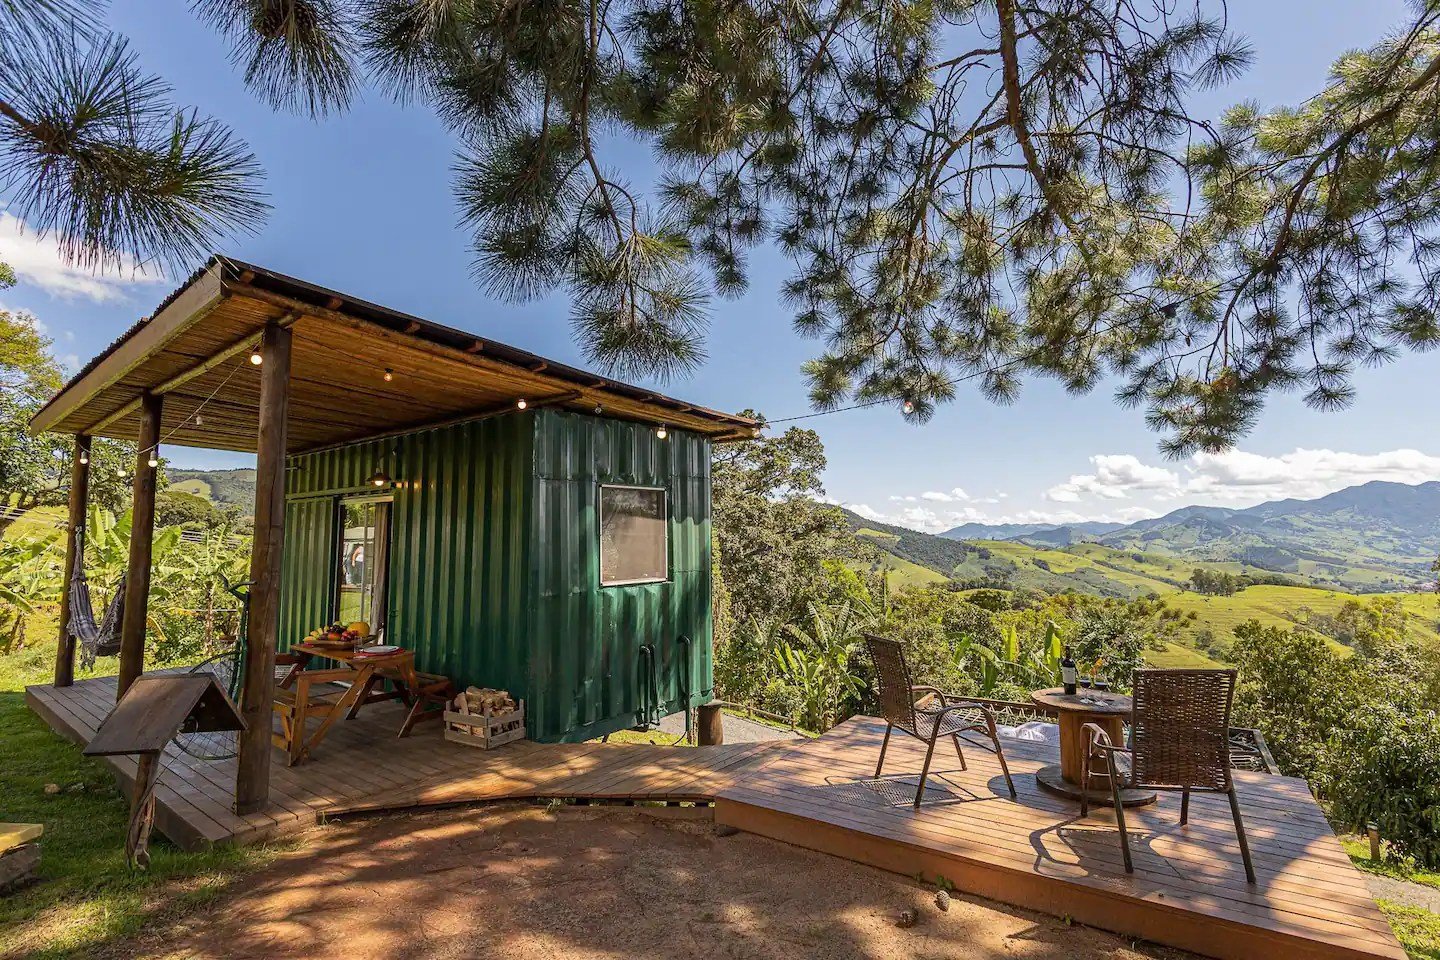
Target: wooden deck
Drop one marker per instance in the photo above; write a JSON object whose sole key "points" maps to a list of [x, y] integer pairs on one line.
{"points": [[1188, 890], [362, 766]]}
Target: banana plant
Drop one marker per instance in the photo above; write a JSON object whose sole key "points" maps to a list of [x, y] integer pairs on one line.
{"points": [[1010, 665], [818, 661], [29, 578]]}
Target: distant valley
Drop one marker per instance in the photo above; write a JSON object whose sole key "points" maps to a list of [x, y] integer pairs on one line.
{"points": [[1375, 537]]}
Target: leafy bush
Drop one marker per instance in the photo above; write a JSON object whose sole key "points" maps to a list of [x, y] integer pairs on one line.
{"points": [[1296, 691], [1386, 771], [1109, 642]]}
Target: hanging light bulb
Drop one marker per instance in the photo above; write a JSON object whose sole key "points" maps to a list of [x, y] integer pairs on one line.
{"points": [[521, 403], [199, 420], [599, 409], [154, 460], [389, 374], [908, 407], [662, 433], [255, 357], [84, 458], [379, 478]]}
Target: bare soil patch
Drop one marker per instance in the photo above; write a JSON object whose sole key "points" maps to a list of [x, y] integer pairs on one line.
{"points": [[520, 882]]}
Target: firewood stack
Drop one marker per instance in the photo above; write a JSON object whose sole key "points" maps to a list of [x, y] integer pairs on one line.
{"points": [[483, 700], [485, 717]]}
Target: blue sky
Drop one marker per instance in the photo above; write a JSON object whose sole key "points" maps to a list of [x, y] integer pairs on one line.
{"points": [[363, 204]]}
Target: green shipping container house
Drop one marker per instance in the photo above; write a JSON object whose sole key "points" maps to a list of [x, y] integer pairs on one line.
{"points": [[516, 522]]}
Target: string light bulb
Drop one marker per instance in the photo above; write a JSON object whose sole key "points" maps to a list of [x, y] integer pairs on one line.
{"points": [[154, 461], [199, 420], [661, 432], [389, 374], [379, 478], [84, 458], [255, 357], [599, 409], [908, 407], [521, 403]]}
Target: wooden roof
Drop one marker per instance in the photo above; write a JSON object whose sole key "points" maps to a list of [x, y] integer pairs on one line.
{"points": [[195, 352]]}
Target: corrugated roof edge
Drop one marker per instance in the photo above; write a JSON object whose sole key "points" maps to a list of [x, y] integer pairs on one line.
{"points": [[318, 296]]}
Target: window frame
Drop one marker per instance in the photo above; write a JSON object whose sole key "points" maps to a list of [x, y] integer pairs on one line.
{"points": [[338, 541], [600, 489]]}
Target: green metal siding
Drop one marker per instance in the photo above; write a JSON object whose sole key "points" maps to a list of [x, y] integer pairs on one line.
{"points": [[587, 637], [458, 579], [494, 561]]}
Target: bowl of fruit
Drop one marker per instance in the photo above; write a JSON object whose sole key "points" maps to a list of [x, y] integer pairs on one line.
{"points": [[339, 634]]}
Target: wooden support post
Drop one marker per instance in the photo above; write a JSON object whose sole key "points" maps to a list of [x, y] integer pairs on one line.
{"points": [[252, 778], [79, 493], [142, 540], [712, 730]]}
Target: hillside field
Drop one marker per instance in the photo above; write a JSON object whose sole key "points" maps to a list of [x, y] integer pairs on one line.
{"points": [[1279, 606]]}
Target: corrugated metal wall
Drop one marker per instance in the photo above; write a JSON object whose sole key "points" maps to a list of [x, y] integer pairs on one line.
{"points": [[494, 565], [588, 637], [459, 569]]}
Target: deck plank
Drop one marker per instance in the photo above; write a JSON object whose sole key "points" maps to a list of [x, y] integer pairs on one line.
{"points": [[1188, 889]]}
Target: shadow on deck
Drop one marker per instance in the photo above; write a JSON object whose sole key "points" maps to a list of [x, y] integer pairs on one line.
{"points": [[1188, 889]]}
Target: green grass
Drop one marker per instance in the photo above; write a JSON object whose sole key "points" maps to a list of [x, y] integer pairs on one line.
{"points": [[194, 485], [1359, 850], [901, 573], [1176, 657], [1417, 929], [86, 896], [1275, 606]]}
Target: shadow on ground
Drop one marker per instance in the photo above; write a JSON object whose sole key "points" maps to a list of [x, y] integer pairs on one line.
{"points": [[520, 881]]}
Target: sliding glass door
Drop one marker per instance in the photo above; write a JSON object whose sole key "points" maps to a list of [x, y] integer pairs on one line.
{"points": [[364, 562]]}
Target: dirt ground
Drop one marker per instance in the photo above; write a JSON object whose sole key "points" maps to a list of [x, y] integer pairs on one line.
{"points": [[519, 882]]}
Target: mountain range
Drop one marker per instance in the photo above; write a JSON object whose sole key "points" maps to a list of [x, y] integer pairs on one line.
{"points": [[1377, 536]]}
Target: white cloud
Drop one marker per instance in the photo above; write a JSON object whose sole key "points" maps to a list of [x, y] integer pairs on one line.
{"points": [[1115, 476], [1239, 476], [865, 510], [1122, 488], [37, 260]]}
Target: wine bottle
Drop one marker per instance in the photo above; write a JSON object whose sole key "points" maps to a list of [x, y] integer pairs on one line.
{"points": [[1067, 672]]}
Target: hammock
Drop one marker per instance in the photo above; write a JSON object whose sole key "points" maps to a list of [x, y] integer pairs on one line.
{"points": [[96, 639]]}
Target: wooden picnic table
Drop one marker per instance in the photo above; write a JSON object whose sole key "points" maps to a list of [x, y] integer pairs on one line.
{"points": [[426, 694]]}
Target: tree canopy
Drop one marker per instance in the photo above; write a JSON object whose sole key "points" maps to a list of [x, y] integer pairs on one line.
{"points": [[969, 191]]}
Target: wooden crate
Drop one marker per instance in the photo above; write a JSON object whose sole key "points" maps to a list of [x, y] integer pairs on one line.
{"points": [[485, 730]]}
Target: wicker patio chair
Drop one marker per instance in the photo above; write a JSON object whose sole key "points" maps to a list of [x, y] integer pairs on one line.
{"points": [[927, 720], [1179, 740]]}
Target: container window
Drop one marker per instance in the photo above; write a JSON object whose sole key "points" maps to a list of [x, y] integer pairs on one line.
{"points": [[634, 533]]}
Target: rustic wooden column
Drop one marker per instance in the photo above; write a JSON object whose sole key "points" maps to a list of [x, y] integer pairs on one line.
{"points": [[79, 493], [711, 724], [142, 541], [252, 778]]}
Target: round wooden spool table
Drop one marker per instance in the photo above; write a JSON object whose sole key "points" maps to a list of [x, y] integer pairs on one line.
{"points": [[1107, 710]]}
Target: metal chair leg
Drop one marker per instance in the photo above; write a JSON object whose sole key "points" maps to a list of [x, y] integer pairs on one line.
{"points": [[1240, 833], [925, 770], [884, 745], [958, 752], [1000, 754], [1085, 782], [1184, 806], [1120, 814]]}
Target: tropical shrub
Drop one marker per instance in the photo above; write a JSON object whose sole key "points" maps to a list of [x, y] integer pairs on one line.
{"points": [[1386, 771], [1296, 690]]}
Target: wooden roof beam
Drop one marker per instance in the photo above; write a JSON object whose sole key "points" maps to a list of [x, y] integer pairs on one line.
{"points": [[482, 413], [185, 376]]}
